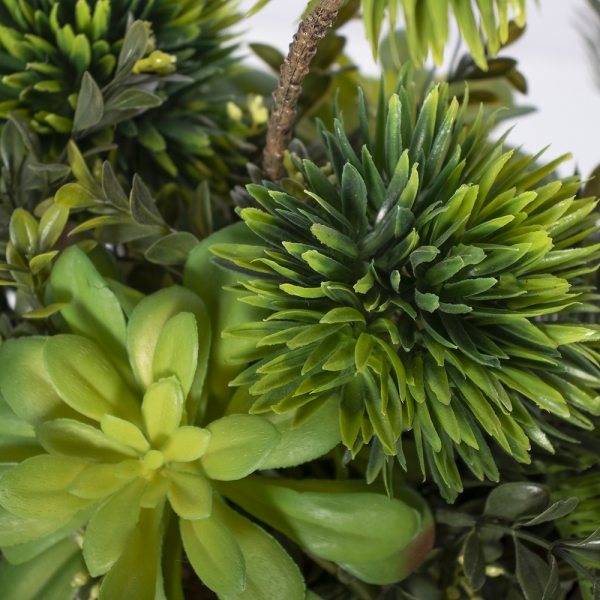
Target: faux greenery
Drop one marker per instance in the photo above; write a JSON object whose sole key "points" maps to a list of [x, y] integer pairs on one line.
{"points": [[427, 23], [364, 367], [74, 68], [422, 287]]}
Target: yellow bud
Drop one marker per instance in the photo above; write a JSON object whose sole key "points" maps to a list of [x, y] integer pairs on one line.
{"points": [[80, 579], [492, 571], [235, 112], [258, 110]]}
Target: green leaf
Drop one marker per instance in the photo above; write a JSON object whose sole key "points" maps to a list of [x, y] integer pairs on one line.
{"points": [[512, 501], [239, 444], [270, 572], [224, 310], [39, 262], [145, 329], [474, 561], [26, 385], [335, 240], [186, 444], [162, 409], [51, 226], [134, 47], [273, 57], [312, 439], [553, 589], [135, 574], [215, 555], [190, 494], [86, 380], [38, 487], [134, 99], [90, 105], [533, 573], [16, 529], [24, 553], [336, 521], [173, 249], [257, 7], [428, 302], [110, 530], [93, 310], [73, 439], [558, 510], [177, 350], [48, 576], [143, 206], [23, 232]]}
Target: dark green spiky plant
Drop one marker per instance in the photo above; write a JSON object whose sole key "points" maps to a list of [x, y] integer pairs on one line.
{"points": [[433, 281], [47, 48]]}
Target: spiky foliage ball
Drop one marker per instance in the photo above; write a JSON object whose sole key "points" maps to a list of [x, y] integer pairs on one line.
{"points": [[432, 281], [47, 47]]}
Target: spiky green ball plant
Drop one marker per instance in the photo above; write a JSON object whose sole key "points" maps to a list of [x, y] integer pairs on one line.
{"points": [[46, 49], [433, 281]]}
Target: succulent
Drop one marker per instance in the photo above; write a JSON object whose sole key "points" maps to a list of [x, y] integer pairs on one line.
{"points": [[108, 426], [75, 68], [433, 282]]}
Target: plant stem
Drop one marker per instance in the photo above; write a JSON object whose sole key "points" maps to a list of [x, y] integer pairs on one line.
{"points": [[534, 539], [293, 71]]}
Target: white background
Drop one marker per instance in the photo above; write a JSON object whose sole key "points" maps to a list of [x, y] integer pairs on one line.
{"points": [[551, 55]]}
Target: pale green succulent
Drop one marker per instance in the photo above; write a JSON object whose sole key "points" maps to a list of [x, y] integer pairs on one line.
{"points": [[108, 430]]}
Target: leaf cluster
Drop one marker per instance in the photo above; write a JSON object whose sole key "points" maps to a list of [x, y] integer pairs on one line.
{"points": [[415, 281]]}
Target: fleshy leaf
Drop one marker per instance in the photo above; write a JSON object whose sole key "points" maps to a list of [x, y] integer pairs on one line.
{"points": [[96, 482], [135, 574], [186, 444], [215, 555], [25, 383], [162, 409], [345, 526], [239, 444], [207, 280], [49, 575], [190, 494], [270, 571], [111, 528], [39, 487], [93, 310], [144, 330], [86, 380], [177, 351], [73, 439], [313, 438]]}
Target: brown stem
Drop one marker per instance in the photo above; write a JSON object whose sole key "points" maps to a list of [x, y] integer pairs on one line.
{"points": [[293, 71]]}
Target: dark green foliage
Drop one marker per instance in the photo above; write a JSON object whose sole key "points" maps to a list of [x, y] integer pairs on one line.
{"points": [[73, 68], [434, 283]]}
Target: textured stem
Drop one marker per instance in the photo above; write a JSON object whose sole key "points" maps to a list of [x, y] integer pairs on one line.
{"points": [[293, 71]]}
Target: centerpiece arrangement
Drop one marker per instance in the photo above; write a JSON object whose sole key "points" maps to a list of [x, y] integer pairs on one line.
{"points": [[295, 337]]}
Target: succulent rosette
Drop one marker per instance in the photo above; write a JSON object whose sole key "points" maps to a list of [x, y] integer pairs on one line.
{"points": [[106, 422], [429, 279]]}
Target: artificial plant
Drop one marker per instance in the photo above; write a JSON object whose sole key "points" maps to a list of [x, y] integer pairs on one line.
{"points": [[127, 73], [378, 380]]}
